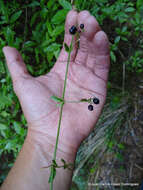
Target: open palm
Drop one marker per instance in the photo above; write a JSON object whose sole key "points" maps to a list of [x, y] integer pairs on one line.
{"points": [[87, 77]]}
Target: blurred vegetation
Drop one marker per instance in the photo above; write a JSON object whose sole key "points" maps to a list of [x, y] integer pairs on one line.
{"points": [[36, 29]]}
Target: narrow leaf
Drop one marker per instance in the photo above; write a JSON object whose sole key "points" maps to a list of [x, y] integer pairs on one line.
{"points": [[57, 99], [15, 16], [65, 4], [66, 47], [139, 3], [129, 10], [59, 17], [63, 160], [34, 4]]}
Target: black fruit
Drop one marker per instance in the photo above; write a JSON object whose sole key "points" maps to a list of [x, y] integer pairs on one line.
{"points": [[73, 30], [96, 101], [82, 26], [90, 107]]}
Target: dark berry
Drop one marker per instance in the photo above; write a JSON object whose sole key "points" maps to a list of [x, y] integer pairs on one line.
{"points": [[73, 30], [82, 26], [96, 101], [90, 107]]}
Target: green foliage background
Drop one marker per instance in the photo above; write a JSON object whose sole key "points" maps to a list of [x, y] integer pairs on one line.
{"points": [[36, 29]]}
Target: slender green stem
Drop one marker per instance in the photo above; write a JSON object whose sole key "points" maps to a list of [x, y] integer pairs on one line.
{"points": [[61, 110], [79, 101], [66, 101]]}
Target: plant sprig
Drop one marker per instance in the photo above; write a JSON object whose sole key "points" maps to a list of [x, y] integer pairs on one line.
{"points": [[61, 100]]}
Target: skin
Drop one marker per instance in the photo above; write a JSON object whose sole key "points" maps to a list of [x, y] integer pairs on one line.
{"points": [[87, 77]]}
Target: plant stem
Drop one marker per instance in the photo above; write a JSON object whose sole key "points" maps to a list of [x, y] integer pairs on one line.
{"points": [[61, 111]]}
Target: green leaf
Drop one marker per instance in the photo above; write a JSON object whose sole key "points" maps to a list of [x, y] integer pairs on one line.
{"points": [[58, 30], [3, 126], [66, 47], [117, 39], [15, 16], [64, 162], [9, 35], [56, 53], [59, 17], [50, 4], [9, 145], [92, 170], [113, 57], [53, 47], [119, 156], [34, 4], [139, 3], [2, 68], [65, 4], [5, 101], [5, 114], [17, 127], [110, 144], [129, 10], [121, 146], [57, 99], [29, 44]]}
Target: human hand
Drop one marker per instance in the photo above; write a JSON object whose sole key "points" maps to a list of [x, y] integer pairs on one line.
{"points": [[87, 77]]}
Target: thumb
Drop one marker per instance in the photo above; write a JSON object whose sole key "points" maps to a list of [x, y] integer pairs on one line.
{"points": [[15, 63]]}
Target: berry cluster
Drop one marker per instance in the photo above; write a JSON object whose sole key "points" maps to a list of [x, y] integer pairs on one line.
{"points": [[73, 29], [95, 101]]}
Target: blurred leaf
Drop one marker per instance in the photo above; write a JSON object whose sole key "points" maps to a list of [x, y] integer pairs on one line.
{"points": [[139, 3], [121, 146], [29, 44], [117, 39], [15, 16], [9, 35], [5, 101], [17, 127], [8, 146], [50, 29], [2, 68], [92, 170], [53, 47], [34, 4], [65, 4], [110, 144], [119, 156], [58, 30], [59, 17], [50, 4], [56, 53], [3, 126], [113, 57], [129, 9]]}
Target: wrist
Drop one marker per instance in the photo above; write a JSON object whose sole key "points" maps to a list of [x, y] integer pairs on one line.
{"points": [[46, 143]]}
